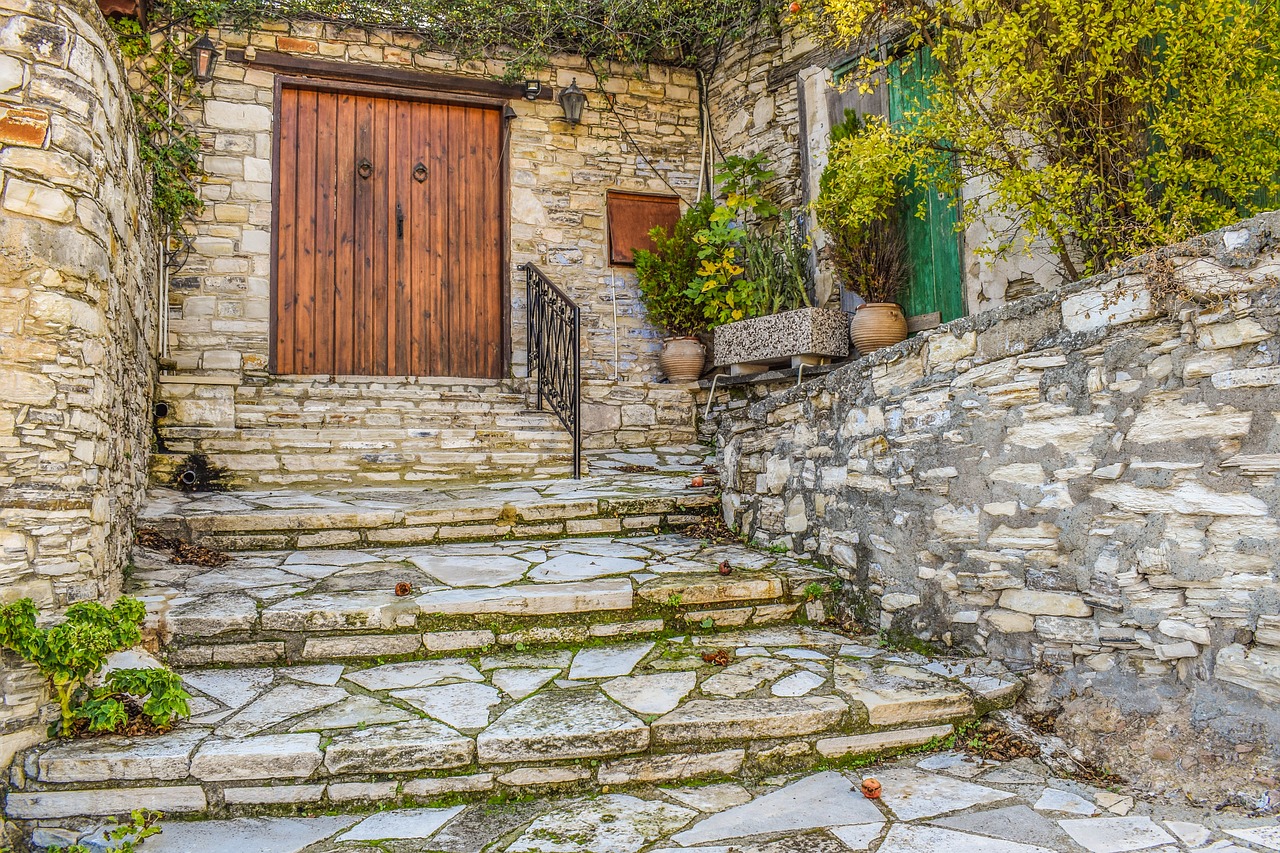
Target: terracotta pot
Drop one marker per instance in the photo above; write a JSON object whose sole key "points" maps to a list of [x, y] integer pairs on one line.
{"points": [[876, 325], [682, 359]]}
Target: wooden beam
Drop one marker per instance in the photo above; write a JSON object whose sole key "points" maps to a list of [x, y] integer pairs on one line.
{"points": [[287, 63]]}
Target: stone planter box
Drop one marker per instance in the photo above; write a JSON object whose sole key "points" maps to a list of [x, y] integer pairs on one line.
{"points": [[792, 338]]}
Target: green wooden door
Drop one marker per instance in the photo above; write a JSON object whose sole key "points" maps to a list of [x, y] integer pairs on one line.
{"points": [[937, 282]]}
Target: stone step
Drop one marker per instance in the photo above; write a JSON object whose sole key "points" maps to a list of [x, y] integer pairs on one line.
{"points": [[278, 606], [395, 514], [508, 721]]}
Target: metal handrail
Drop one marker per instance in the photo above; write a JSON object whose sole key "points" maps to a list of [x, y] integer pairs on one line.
{"points": [[553, 326]]}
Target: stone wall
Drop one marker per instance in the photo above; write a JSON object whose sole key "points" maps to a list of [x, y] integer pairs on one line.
{"points": [[1083, 482], [648, 142], [77, 324]]}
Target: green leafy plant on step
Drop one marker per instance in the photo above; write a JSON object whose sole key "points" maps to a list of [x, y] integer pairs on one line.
{"points": [[675, 599], [72, 651], [124, 838]]}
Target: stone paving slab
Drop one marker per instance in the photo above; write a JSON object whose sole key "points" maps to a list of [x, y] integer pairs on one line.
{"points": [[957, 809], [264, 606], [608, 500], [620, 712]]}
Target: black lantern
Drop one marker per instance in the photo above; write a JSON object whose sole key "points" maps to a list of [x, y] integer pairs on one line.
{"points": [[532, 89], [572, 100], [204, 56]]}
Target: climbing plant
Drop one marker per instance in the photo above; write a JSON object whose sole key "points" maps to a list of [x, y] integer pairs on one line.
{"points": [[1105, 127], [162, 85], [522, 33]]}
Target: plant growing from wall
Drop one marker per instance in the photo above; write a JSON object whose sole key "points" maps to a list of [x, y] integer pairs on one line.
{"points": [[1106, 127], [74, 650], [750, 257], [161, 82], [124, 837], [665, 272]]}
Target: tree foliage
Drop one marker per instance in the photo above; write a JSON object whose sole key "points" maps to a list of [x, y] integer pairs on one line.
{"points": [[1104, 126]]}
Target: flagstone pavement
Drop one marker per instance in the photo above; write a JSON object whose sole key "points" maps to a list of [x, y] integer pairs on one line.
{"points": [[943, 803]]}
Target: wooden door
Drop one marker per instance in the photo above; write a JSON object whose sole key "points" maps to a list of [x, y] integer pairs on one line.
{"points": [[388, 238], [936, 292]]}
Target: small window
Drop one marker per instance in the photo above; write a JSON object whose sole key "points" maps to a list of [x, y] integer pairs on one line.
{"points": [[631, 217]]}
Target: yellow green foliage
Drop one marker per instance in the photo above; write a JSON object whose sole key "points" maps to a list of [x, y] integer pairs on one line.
{"points": [[1104, 126]]}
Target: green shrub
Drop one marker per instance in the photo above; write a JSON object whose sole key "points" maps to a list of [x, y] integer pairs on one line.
{"points": [[665, 273], [71, 652]]}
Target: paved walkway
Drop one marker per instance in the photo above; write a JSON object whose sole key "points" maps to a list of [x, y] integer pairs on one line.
{"points": [[944, 803]]}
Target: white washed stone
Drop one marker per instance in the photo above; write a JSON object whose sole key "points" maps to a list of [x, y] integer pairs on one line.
{"points": [[463, 706], [702, 720], [398, 748], [263, 757], [519, 683], [325, 675], [277, 834], [164, 757], [401, 676], [614, 822], [651, 694], [273, 795], [903, 838], [401, 824], [352, 712], [533, 599], [797, 684], [465, 571], [278, 705], [1115, 834], [911, 794], [821, 800], [232, 687], [1263, 836], [710, 799], [608, 661], [1058, 800], [579, 567], [562, 724], [897, 694], [1190, 834], [836, 747]]}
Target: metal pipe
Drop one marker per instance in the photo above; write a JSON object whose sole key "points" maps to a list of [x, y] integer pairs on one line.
{"points": [[800, 375], [706, 412], [161, 409], [187, 477]]}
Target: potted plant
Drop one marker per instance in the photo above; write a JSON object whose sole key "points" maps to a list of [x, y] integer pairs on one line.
{"points": [[664, 274], [754, 280], [859, 207], [875, 265]]}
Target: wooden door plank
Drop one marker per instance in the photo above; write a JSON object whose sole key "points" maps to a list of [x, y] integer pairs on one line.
{"points": [[492, 246], [344, 306], [437, 314], [304, 316], [419, 346], [326, 225], [364, 245], [382, 234], [403, 295], [461, 245], [286, 200]]}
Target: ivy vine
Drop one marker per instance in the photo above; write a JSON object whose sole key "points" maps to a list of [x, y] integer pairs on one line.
{"points": [[523, 33], [161, 82]]}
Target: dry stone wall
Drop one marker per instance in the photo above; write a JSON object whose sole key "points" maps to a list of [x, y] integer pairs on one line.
{"points": [[77, 324], [1083, 481], [640, 133]]}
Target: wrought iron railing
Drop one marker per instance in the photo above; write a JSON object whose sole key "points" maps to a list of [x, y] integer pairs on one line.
{"points": [[554, 328]]}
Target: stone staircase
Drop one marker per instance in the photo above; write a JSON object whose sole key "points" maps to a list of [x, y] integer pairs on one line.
{"points": [[508, 664], [627, 712], [310, 432]]}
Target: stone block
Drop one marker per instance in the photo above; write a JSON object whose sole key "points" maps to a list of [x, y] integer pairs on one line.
{"points": [[672, 767], [346, 792], [702, 721], [838, 747], [165, 757], [291, 756], [273, 795], [448, 641], [1043, 603], [531, 776], [180, 799], [38, 200], [26, 126], [399, 748], [559, 725], [431, 788]]}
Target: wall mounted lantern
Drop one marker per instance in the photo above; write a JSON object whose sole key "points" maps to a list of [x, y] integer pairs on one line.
{"points": [[572, 100], [532, 89], [204, 56]]}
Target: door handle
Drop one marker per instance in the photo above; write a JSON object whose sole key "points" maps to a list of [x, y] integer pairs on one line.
{"points": [[399, 222], [365, 168], [420, 173]]}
